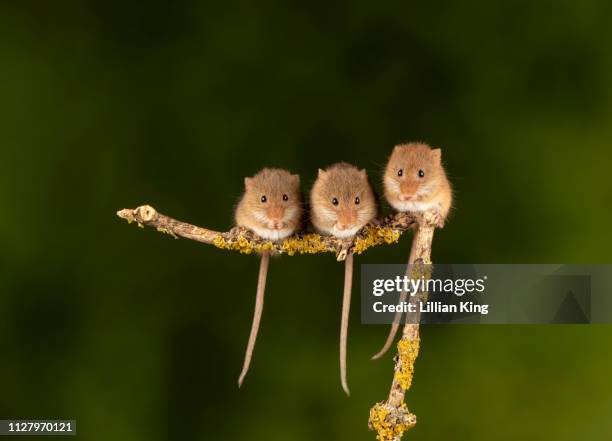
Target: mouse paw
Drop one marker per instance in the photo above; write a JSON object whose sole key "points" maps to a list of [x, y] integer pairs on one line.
{"points": [[436, 219]]}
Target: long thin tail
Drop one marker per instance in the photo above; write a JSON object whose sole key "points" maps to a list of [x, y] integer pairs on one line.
{"points": [[259, 303], [398, 315], [346, 309], [393, 330]]}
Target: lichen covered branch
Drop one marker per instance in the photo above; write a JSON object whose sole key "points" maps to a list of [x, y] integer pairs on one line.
{"points": [[381, 231], [391, 418]]}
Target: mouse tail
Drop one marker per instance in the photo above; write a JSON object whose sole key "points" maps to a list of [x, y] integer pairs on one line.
{"points": [[393, 331], [398, 315], [259, 303], [346, 308]]}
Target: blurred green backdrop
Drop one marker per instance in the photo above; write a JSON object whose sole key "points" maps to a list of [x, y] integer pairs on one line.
{"points": [[109, 105]]}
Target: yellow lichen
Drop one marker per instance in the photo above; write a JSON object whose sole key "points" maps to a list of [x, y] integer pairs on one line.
{"points": [[372, 236], [310, 243], [167, 231], [242, 244], [421, 271], [306, 244], [408, 351], [266, 246], [219, 242], [390, 423]]}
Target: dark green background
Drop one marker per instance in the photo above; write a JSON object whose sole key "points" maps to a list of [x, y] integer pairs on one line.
{"points": [[141, 337]]}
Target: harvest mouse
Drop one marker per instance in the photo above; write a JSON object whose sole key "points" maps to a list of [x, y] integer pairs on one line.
{"points": [[271, 207], [342, 202], [414, 182]]}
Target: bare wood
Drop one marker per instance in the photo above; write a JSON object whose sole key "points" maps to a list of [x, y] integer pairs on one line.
{"points": [[149, 216], [378, 232]]}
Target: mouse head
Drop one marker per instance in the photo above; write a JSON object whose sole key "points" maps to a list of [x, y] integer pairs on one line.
{"points": [[272, 204], [412, 173], [342, 200]]}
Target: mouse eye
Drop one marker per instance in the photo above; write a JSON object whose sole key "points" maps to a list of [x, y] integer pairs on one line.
{"points": [[285, 197], [264, 199], [421, 173], [335, 201], [400, 172], [357, 200]]}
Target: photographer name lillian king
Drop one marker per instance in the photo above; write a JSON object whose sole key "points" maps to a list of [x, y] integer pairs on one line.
{"points": [[425, 307]]}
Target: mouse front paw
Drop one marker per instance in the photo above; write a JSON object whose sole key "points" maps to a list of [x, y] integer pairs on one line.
{"points": [[432, 217], [435, 218], [439, 220]]}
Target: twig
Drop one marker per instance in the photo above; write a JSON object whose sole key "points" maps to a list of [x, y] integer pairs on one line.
{"points": [[382, 231], [391, 418]]}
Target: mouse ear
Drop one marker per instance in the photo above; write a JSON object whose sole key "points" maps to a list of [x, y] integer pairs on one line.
{"points": [[248, 183], [321, 172], [437, 155], [363, 172]]}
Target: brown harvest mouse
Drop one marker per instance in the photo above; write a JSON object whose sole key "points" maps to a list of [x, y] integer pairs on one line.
{"points": [[271, 207], [415, 182], [342, 202]]}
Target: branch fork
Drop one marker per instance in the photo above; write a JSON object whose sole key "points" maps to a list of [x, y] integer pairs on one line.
{"points": [[389, 418]]}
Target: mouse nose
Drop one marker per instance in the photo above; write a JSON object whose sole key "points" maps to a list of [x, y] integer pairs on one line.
{"points": [[407, 190], [346, 219], [276, 213], [275, 216]]}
